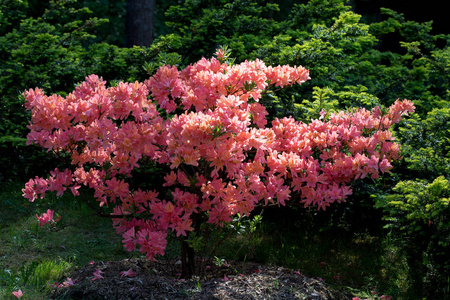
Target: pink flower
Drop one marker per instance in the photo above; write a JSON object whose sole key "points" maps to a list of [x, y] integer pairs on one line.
{"points": [[182, 226], [225, 278], [97, 275], [128, 273], [68, 282], [170, 179], [220, 54], [45, 218], [18, 294], [74, 190]]}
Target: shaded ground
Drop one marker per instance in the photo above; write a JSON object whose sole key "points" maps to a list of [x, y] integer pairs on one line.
{"points": [[159, 280]]}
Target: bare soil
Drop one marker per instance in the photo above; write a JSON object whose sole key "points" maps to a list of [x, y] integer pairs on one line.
{"points": [[160, 280]]}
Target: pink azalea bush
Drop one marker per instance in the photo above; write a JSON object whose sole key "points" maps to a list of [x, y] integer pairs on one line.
{"points": [[224, 157]]}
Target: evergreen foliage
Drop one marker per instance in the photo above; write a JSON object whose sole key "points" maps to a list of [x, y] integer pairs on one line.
{"points": [[417, 216]]}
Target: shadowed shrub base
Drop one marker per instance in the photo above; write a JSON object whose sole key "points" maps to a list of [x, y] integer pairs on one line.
{"points": [[160, 280]]}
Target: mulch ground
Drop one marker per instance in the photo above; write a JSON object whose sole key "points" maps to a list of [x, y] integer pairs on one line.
{"points": [[160, 280]]}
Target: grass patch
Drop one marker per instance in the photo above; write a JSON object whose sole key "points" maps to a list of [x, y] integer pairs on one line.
{"points": [[35, 278], [48, 272], [31, 256]]}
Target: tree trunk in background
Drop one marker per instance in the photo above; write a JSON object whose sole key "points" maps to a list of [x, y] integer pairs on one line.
{"points": [[139, 23]]}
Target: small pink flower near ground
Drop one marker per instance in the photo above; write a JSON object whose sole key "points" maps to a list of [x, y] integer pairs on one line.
{"points": [[225, 278], [47, 217], [298, 272], [97, 275], [385, 297], [128, 273], [68, 282], [18, 294]]}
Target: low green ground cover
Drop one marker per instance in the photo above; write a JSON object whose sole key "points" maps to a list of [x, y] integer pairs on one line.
{"points": [[31, 257]]}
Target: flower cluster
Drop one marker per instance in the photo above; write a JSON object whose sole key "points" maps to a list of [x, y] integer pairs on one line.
{"points": [[47, 217], [223, 157]]}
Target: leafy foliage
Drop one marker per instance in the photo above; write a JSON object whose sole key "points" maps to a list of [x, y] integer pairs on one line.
{"points": [[418, 216], [426, 144], [201, 26]]}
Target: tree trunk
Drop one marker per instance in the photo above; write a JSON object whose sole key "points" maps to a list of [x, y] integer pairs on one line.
{"points": [[188, 255], [187, 260], [139, 23]]}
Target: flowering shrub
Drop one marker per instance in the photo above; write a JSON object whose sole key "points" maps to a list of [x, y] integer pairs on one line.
{"points": [[205, 123]]}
